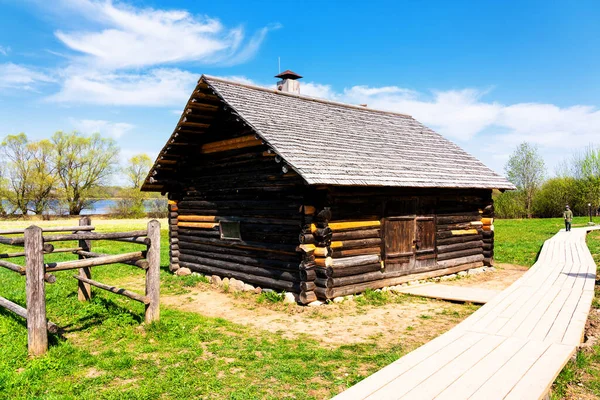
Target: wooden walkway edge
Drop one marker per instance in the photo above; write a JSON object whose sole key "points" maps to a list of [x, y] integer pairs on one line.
{"points": [[513, 347]]}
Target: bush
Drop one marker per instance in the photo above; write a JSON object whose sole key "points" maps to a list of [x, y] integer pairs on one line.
{"points": [[510, 204], [131, 205], [554, 194], [157, 208]]}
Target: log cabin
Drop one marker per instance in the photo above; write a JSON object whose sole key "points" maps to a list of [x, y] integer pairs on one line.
{"points": [[319, 198]]}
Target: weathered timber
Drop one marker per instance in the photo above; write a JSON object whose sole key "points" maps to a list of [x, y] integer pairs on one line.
{"points": [[308, 274], [488, 234], [84, 291], [347, 261], [237, 259], [355, 252], [13, 267], [153, 273], [210, 248], [349, 280], [456, 219], [93, 262], [198, 225], [348, 226], [460, 261], [241, 244], [460, 253], [142, 263], [114, 289], [307, 286], [22, 253], [459, 246], [196, 218], [459, 239], [22, 312], [488, 253], [138, 240], [358, 234], [291, 276], [332, 272], [37, 334], [51, 229], [330, 293], [264, 282], [88, 236], [307, 297]]}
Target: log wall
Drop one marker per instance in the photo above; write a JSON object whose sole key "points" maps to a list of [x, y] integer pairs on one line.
{"points": [[238, 179], [349, 247]]}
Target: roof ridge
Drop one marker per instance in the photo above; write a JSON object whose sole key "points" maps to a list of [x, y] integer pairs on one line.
{"points": [[302, 97]]}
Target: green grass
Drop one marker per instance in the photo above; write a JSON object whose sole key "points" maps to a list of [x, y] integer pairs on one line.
{"points": [[518, 241], [106, 352]]}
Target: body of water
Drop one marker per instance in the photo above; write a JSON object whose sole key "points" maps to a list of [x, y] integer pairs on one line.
{"points": [[102, 206]]}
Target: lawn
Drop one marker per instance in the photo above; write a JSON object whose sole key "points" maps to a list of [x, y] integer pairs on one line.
{"points": [[106, 351], [518, 241]]}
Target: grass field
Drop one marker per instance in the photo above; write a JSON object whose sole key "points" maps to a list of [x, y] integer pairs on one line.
{"points": [[106, 352]]}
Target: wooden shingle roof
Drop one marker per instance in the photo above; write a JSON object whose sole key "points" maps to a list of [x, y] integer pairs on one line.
{"points": [[340, 144]]}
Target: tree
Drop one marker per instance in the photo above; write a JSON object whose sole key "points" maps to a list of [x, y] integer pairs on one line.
{"points": [[586, 169], [554, 194], [131, 201], [526, 170], [82, 163], [29, 177], [137, 169]]}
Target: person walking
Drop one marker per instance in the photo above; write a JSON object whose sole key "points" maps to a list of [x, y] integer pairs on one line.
{"points": [[568, 216]]}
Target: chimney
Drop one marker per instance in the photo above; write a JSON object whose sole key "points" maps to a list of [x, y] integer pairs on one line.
{"points": [[289, 82]]}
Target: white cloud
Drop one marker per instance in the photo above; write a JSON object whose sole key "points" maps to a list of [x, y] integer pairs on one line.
{"points": [[130, 37], [21, 77], [157, 87], [107, 128], [4, 50]]}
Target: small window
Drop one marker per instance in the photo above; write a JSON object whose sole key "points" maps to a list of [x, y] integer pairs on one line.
{"points": [[230, 230]]}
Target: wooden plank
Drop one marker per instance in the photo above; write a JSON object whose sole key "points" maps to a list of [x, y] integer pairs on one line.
{"points": [[114, 289], [538, 380], [37, 334], [84, 291], [153, 273], [481, 372], [22, 312], [385, 376], [422, 371], [50, 229], [454, 370], [502, 382], [93, 262]]}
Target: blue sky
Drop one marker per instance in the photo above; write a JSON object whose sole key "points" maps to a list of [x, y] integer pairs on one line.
{"points": [[485, 74]]}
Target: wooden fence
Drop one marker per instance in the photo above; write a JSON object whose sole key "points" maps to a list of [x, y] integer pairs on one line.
{"points": [[36, 244]]}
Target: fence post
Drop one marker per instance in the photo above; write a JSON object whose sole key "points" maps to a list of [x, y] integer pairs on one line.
{"points": [[84, 292], [153, 272], [37, 335]]}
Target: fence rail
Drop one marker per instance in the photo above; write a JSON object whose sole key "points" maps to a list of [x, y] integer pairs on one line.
{"points": [[38, 272]]}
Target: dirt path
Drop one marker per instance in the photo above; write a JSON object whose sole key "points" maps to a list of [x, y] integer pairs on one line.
{"points": [[410, 320]]}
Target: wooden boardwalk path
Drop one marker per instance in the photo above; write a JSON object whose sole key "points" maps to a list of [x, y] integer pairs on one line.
{"points": [[513, 347]]}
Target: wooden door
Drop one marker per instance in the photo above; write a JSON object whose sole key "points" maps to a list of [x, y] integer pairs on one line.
{"points": [[398, 236], [409, 243]]}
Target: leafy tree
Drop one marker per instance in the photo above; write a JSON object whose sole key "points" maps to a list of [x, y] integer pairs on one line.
{"points": [[83, 163], [29, 180], [137, 169], [586, 169], [526, 170], [510, 204], [554, 194]]}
